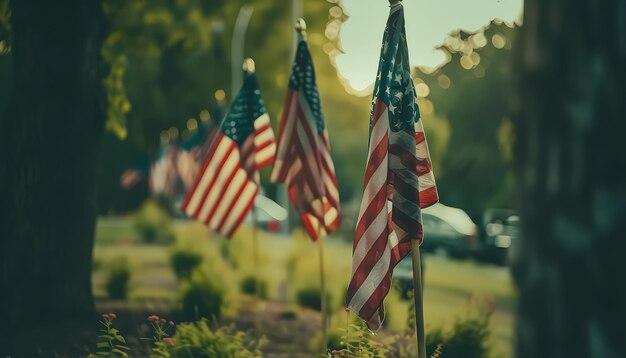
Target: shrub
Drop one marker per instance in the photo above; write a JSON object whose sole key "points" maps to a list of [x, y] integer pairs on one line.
{"points": [[198, 340], [310, 297], [468, 339], [289, 314], [249, 286], [153, 224], [118, 279], [184, 262], [202, 297]]}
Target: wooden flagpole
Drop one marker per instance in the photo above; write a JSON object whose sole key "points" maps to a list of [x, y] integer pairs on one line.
{"points": [[417, 295], [300, 26], [249, 67], [257, 271], [417, 284], [323, 295]]}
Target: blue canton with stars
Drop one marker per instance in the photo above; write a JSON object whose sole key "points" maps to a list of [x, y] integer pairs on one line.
{"points": [[394, 85], [303, 80], [248, 106]]}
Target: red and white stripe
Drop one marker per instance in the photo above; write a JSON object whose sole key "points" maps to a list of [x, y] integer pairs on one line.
{"points": [[223, 193], [398, 182], [304, 164]]}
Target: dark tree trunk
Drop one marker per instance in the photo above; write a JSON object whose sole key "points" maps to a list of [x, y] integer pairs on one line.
{"points": [[571, 264], [48, 147]]}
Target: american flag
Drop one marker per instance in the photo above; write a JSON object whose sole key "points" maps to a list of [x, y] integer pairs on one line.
{"points": [[303, 161], [398, 178], [225, 189], [163, 172]]}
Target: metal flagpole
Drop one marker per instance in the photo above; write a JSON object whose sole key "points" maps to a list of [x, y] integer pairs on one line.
{"points": [[419, 302]]}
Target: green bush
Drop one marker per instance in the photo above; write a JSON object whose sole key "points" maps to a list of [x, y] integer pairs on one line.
{"points": [[198, 340], [289, 314], [202, 297], [153, 224], [310, 297], [467, 339], [184, 262], [118, 278], [248, 286]]}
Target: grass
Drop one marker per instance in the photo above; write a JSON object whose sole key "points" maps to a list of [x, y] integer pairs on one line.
{"points": [[453, 289]]}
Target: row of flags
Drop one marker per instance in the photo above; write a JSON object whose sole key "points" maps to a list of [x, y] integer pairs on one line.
{"points": [[399, 181]]}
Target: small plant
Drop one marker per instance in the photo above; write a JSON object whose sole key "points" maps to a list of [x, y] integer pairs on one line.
{"points": [[202, 297], [357, 341], [311, 297], [110, 342], [184, 262], [249, 286], [161, 338], [118, 278], [198, 340]]}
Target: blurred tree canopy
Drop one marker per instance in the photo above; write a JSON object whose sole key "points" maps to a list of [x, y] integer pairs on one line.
{"points": [[166, 59], [466, 107]]}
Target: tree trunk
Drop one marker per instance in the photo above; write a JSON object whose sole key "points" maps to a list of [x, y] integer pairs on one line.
{"points": [[48, 147], [570, 126]]}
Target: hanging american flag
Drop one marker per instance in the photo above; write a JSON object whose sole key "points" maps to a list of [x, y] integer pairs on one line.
{"points": [[225, 189], [398, 178], [303, 161]]}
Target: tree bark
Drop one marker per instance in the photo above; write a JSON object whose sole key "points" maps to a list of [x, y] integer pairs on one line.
{"points": [[48, 146], [570, 126]]}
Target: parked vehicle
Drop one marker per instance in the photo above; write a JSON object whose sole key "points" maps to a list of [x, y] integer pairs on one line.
{"points": [[403, 276], [450, 230], [500, 229], [446, 229]]}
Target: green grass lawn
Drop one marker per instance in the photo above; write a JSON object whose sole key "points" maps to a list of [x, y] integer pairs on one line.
{"points": [[453, 289]]}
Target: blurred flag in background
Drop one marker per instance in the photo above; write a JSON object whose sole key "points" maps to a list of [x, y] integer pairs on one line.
{"points": [[303, 161], [224, 191]]}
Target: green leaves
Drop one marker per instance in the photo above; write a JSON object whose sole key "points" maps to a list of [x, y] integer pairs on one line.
{"points": [[110, 342], [118, 103]]}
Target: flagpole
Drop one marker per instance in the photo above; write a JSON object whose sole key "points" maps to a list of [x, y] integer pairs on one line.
{"points": [[249, 68], [300, 26], [418, 297], [257, 271], [323, 295]]}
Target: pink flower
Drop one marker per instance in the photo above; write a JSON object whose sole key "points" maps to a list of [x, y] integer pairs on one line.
{"points": [[112, 315], [169, 341], [153, 318], [162, 320], [171, 323], [360, 336], [347, 310], [105, 316]]}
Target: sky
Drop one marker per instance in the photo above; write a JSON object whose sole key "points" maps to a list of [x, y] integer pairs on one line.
{"points": [[427, 24]]}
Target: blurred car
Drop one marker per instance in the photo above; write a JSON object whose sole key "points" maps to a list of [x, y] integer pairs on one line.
{"points": [[450, 230], [445, 228], [500, 229], [403, 276]]}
